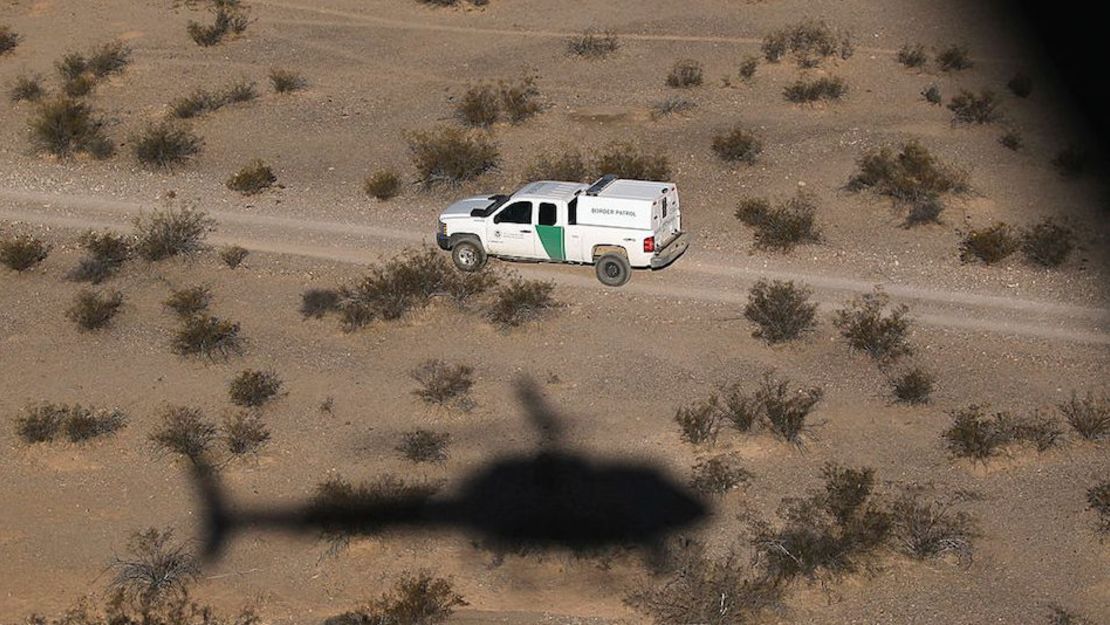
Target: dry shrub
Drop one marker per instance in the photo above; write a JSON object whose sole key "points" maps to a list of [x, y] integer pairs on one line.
{"points": [[443, 384], [810, 41], [520, 301], [108, 59], [1020, 85], [925, 527], [673, 105], [244, 433], [625, 160], [520, 99], [1088, 416], [479, 106], [737, 145], [316, 303], [93, 311], [1012, 140], [83, 424], [44, 422], [932, 94], [383, 185], [233, 255], [105, 254], [184, 431], [989, 245], [41, 423], [782, 226], [912, 386], [814, 89], [207, 335], [924, 210], [416, 599], [685, 73], [335, 497], [229, 17], [718, 475], [783, 409], [775, 405], [978, 435], [251, 388], [286, 81], [907, 176], [254, 177], [424, 446], [27, 89], [189, 301], [23, 251], [451, 155], [1047, 243], [699, 422], [871, 326], [954, 58], [569, 166], [1070, 161], [1098, 500], [913, 56], [64, 127], [155, 570], [172, 232], [593, 44], [971, 108], [9, 39], [748, 67], [781, 310], [201, 101], [165, 144]]}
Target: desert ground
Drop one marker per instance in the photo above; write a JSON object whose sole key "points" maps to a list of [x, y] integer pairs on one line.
{"points": [[615, 363]]}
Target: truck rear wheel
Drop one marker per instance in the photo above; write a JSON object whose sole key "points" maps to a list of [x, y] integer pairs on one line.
{"points": [[468, 256], [613, 269]]}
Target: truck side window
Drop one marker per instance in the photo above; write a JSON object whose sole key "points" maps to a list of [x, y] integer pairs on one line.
{"points": [[515, 213], [572, 212], [547, 214]]}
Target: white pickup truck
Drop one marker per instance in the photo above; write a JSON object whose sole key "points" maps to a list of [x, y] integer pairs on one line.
{"points": [[613, 224]]}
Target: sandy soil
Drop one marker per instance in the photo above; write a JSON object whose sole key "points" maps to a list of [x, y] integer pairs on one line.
{"points": [[1013, 336]]}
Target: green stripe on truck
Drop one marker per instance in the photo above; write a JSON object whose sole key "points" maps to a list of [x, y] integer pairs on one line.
{"points": [[552, 239]]}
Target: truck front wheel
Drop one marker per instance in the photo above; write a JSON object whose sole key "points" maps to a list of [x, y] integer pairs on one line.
{"points": [[468, 256], [613, 269]]}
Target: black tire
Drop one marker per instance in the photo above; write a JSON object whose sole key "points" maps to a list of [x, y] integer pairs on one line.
{"points": [[468, 256], [613, 269]]}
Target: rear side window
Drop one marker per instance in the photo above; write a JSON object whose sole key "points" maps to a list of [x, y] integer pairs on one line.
{"points": [[572, 212], [515, 213], [547, 214]]}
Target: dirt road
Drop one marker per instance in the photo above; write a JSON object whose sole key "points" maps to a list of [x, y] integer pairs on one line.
{"points": [[699, 276]]}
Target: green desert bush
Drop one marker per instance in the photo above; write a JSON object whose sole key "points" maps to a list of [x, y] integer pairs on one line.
{"points": [[971, 108], [912, 386], [781, 226], [424, 446], [913, 56], [568, 166], [989, 245], [416, 599], [286, 81], [252, 388], [254, 177], [26, 89], [626, 160], [1047, 243], [383, 185], [244, 433], [22, 251], [165, 144], [717, 475], [93, 311], [184, 431], [442, 383], [520, 301], [189, 301], [871, 326], [814, 89], [954, 58], [1098, 500], [451, 155], [1020, 85], [737, 145], [907, 176], [1089, 416], [233, 255], [207, 335], [685, 73], [316, 303], [593, 44], [810, 41], [9, 39], [781, 310], [171, 232], [64, 127], [932, 94]]}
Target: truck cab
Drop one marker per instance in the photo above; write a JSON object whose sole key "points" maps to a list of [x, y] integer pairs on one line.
{"points": [[614, 224]]}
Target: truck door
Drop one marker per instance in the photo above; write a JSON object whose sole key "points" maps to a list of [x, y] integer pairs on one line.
{"points": [[550, 233], [512, 232]]}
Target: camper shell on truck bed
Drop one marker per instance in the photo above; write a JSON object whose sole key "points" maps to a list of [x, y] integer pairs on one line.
{"points": [[614, 224]]}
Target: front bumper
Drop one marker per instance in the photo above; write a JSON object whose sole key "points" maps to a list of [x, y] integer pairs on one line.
{"points": [[668, 254], [443, 241]]}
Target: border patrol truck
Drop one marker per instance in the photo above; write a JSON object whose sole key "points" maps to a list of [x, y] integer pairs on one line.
{"points": [[614, 224]]}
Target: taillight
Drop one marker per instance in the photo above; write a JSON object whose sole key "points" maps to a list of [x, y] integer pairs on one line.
{"points": [[649, 244]]}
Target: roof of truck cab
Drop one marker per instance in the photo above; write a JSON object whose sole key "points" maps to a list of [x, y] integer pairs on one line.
{"points": [[635, 189], [550, 190]]}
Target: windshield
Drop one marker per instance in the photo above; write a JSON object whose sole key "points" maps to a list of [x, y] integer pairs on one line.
{"points": [[498, 201]]}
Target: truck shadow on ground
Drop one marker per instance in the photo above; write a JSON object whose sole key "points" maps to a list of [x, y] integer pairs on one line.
{"points": [[550, 500]]}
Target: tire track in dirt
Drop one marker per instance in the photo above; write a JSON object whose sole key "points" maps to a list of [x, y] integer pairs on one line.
{"points": [[691, 279]]}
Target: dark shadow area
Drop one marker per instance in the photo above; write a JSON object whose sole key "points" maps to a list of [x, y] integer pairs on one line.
{"points": [[553, 499]]}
